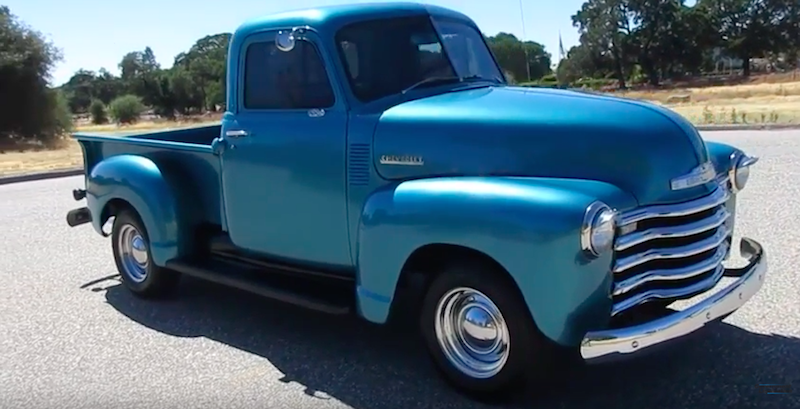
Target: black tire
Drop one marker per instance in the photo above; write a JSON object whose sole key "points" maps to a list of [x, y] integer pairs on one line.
{"points": [[154, 282], [528, 357]]}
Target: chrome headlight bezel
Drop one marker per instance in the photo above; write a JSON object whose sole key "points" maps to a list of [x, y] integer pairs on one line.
{"points": [[599, 229], [739, 173]]}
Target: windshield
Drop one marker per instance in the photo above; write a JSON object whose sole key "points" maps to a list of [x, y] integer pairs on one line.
{"points": [[389, 56]]}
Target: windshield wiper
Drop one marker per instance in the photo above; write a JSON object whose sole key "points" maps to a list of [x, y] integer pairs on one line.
{"points": [[433, 80], [448, 79], [479, 78], [451, 78]]}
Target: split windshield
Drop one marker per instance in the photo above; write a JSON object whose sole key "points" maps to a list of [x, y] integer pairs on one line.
{"points": [[389, 56]]}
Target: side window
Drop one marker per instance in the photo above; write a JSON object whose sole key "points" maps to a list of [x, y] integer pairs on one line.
{"points": [[350, 51], [285, 80]]}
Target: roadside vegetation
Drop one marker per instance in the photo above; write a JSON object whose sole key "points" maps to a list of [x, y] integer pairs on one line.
{"points": [[716, 62]]}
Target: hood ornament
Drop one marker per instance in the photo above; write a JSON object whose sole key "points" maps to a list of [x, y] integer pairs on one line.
{"points": [[698, 176]]}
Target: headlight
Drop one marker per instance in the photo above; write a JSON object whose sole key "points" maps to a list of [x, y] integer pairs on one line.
{"points": [[740, 171], [599, 226]]}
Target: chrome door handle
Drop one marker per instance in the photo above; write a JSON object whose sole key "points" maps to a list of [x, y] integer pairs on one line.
{"points": [[236, 133]]}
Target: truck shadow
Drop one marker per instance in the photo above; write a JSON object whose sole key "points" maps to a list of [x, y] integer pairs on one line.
{"points": [[366, 366]]}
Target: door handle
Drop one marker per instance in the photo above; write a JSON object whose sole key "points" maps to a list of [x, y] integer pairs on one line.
{"points": [[238, 133]]}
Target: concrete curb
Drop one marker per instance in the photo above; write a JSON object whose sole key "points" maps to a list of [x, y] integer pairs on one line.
{"points": [[29, 177], [747, 127]]}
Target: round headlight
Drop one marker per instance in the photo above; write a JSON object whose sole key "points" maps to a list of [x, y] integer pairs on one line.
{"points": [[599, 227], [740, 177], [740, 172]]}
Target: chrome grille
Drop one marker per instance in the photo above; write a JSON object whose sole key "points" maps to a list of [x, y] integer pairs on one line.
{"points": [[670, 252]]}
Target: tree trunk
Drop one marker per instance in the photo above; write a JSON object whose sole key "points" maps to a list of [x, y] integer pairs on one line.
{"points": [[650, 71], [746, 66], [620, 75]]}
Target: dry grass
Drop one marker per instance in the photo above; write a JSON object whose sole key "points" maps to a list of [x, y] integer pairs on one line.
{"points": [[772, 99], [67, 153], [66, 156], [764, 100]]}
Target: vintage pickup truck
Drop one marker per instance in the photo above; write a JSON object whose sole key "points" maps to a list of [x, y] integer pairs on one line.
{"points": [[373, 159]]}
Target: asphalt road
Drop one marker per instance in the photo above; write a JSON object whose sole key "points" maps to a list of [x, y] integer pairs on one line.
{"points": [[71, 337]]}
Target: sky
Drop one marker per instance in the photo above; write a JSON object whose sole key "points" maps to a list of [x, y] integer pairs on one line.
{"points": [[94, 34]]}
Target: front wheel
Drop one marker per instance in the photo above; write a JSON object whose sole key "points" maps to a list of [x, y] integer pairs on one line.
{"points": [[479, 333], [131, 246]]}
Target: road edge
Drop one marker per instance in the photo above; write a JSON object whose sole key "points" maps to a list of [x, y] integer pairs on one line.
{"points": [[30, 177], [747, 127]]}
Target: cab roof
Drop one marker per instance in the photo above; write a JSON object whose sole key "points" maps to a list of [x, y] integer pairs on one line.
{"points": [[329, 19]]}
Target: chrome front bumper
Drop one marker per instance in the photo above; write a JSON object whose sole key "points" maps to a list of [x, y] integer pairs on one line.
{"points": [[612, 344]]}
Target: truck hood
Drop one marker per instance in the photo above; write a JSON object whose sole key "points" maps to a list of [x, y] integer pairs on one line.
{"points": [[638, 147]]}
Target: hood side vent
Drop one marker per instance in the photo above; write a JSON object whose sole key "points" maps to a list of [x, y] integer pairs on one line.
{"points": [[358, 161]]}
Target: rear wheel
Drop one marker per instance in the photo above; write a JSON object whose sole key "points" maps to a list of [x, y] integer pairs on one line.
{"points": [[479, 333], [131, 247]]}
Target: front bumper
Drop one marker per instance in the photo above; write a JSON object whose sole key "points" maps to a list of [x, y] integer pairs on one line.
{"points": [[612, 344]]}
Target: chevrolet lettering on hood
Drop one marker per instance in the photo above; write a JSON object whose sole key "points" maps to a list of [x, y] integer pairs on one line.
{"points": [[406, 160]]}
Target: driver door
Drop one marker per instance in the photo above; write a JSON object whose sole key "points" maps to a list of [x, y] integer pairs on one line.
{"points": [[283, 173]]}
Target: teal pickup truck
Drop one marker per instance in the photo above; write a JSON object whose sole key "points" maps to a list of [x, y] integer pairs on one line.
{"points": [[374, 160]]}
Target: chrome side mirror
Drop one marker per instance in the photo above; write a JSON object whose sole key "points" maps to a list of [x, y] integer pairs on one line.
{"points": [[285, 41]]}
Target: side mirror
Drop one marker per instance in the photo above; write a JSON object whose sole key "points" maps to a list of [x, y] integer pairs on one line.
{"points": [[285, 41]]}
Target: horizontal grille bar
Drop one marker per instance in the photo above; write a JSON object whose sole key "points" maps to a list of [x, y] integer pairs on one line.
{"points": [[667, 293], [711, 222], [629, 284], [718, 197], [673, 252]]}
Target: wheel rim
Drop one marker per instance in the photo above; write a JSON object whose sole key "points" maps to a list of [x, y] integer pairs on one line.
{"points": [[472, 333], [132, 249]]}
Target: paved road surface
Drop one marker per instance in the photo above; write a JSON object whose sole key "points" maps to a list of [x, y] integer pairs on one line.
{"points": [[71, 337]]}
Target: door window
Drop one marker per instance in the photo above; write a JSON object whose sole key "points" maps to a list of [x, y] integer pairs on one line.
{"points": [[296, 79]]}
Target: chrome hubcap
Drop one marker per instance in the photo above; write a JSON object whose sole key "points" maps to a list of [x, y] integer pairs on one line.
{"points": [[132, 249], [472, 333]]}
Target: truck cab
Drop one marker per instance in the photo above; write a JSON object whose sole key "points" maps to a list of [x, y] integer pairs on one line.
{"points": [[374, 160]]}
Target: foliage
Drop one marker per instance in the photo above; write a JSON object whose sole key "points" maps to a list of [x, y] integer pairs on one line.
{"points": [[511, 54], [126, 109], [29, 109], [194, 83], [666, 39], [98, 111], [59, 111], [621, 42]]}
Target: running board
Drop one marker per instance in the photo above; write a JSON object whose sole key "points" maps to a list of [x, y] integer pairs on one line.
{"points": [[331, 299]]}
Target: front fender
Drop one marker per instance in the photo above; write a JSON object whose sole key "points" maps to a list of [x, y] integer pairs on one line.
{"points": [[530, 226], [721, 155], [138, 181]]}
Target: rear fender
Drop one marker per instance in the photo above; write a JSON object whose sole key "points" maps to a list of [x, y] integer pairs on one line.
{"points": [[139, 182], [530, 226]]}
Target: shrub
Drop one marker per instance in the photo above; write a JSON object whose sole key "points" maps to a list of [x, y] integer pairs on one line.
{"points": [[62, 115], [549, 78], [126, 109], [98, 111]]}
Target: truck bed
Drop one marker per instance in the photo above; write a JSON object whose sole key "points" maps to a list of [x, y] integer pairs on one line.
{"points": [[198, 135], [184, 154]]}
